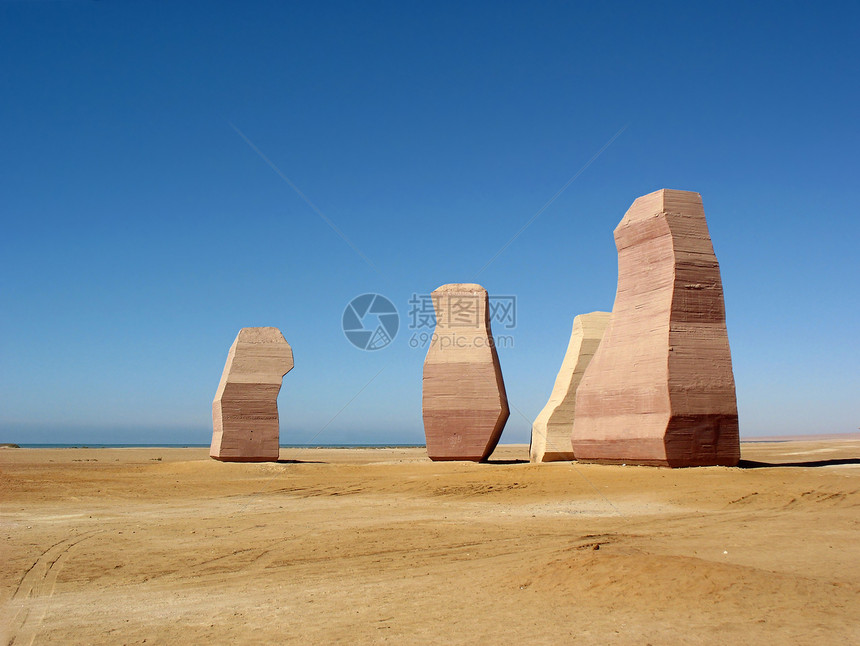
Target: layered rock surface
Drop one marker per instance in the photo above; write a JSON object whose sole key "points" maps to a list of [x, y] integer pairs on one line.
{"points": [[660, 389], [245, 408], [552, 428], [464, 402]]}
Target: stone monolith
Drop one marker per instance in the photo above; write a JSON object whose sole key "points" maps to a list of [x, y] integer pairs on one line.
{"points": [[464, 402], [660, 389], [552, 427], [245, 408]]}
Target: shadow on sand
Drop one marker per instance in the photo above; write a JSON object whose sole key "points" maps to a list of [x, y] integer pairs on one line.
{"points": [[301, 462], [753, 464], [743, 464], [505, 462]]}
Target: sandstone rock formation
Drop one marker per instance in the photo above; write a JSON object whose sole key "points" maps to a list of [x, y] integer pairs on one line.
{"points": [[245, 409], [464, 401], [660, 388], [553, 426]]}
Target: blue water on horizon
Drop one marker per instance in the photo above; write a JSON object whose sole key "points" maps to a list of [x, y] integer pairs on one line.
{"points": [[162, 445]]}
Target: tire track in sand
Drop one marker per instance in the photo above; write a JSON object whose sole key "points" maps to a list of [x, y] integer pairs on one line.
{"points": [[38, 582]]}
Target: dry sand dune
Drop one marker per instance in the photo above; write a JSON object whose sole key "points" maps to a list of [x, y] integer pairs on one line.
{"points": [[112, 546]]}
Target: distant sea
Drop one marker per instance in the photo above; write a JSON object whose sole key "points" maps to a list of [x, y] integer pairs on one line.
{"points": [[83, 445], [202, 446]]}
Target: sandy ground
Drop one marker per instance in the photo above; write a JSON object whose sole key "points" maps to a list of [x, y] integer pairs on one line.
{"points": [[115, 546]]}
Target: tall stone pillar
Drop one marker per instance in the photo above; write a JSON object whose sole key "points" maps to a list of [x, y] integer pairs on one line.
{"points": [[660, 388], [552, 427], [464, 401], [245, 410]]}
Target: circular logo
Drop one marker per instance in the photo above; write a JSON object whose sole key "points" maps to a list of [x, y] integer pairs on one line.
{"points": [[370, 321]]}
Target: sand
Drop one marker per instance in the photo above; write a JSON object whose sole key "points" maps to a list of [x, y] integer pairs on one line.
{"points": [[124, 546]]}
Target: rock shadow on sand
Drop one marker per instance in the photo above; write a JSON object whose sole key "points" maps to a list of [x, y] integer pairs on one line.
{"points": [[505, 462], [285, 461], [754, 464]]}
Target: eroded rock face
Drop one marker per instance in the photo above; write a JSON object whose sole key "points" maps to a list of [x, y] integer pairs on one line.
{"points": [[464, 401], [660, 388], [552, 428], [245, 408]]}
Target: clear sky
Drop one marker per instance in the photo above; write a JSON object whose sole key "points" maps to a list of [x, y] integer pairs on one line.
{"points": [[143, 225]]}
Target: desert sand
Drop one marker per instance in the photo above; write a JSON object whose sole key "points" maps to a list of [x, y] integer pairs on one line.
{"points": [[124, 546]]}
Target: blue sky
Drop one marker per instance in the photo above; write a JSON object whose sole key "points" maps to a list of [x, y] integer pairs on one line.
{"points": [[142, 230]]}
